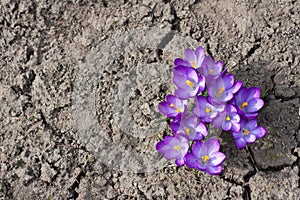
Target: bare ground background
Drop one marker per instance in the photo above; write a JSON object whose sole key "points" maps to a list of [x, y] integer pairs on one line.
{"points": [[48, 50]]}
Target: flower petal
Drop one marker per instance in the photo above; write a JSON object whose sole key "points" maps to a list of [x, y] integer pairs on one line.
{"points": [[213, 145], [214, 170], [250, 138], [226, 126], [217, 158], [259, 132], [240, 143], [190, 160], [254, 105]]}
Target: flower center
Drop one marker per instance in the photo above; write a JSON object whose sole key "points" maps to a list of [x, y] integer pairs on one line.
{"points": [[211, 71], [177, 109], [176, 147], [221, 90], [244, 104], [207, 110], [193, 64], [189, 83], [227, 118], [246, 132], [188, 131], [205, 158]]}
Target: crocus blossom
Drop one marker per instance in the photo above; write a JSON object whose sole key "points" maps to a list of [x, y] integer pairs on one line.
{"points": [[191, 128], [172, 107], [206, 157], [228, 119], [223, 88], [248, 102], [248, 133], [188, 82], [193, 59], [173, 147]]}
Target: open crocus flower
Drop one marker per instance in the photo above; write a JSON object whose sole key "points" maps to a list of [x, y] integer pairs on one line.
{"points": [[188, 83], [204, 110], [248, 102], [210, 69], [193, 59], [228, 119], [173, 147], [191, 128], [248, 133], [205, 156], [222, 89], [172, 107]]}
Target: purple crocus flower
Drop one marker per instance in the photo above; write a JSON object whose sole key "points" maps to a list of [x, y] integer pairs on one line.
{"points": [[228, 119], [173, 147], [191, 128], [248, 102], [248, 133], [221, 90], [204, 110], [172, 107], [205, 156], [193, 59], [210, 69], [188, 83]]}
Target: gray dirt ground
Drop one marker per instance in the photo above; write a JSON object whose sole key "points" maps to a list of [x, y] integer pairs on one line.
{"points": [[80, 82]]}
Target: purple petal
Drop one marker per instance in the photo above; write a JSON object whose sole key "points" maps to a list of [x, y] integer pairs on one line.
{"points": [[259, 132], [226, 126], [235, 127], [253, 92], [182, 93], [214, 170], [218, 121], [251, 124], [213, 145], [192, 75], [179, 161], [180, 81], [250, 138], [202, 129], [254, 105], [180, 62], [236, 86], [198, 146], [250, 115], [190, 160], [190, 55], [240, 143], [217, 158], [228, 81]]}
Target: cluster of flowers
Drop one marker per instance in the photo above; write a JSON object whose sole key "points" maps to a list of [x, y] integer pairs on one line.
{"points": [[218, 99]]}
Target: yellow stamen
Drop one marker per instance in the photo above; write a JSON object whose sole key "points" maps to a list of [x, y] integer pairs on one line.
{"points": [[244, 104], [189, 83], [178, 110], [176, 147], [193, 64], [188, 131], [207, 110], [205, 158], [228, 118], [221, 90], [246, 132], [211, 71]]}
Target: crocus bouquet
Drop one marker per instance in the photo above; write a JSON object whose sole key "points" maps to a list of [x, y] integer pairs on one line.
{"points": [[215, 98]]}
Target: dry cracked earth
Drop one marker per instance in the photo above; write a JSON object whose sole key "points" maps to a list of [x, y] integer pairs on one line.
{"points": [[80, 82]]}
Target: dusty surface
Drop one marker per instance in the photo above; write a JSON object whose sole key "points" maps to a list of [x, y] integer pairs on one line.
{"points": [[80, 82]]}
